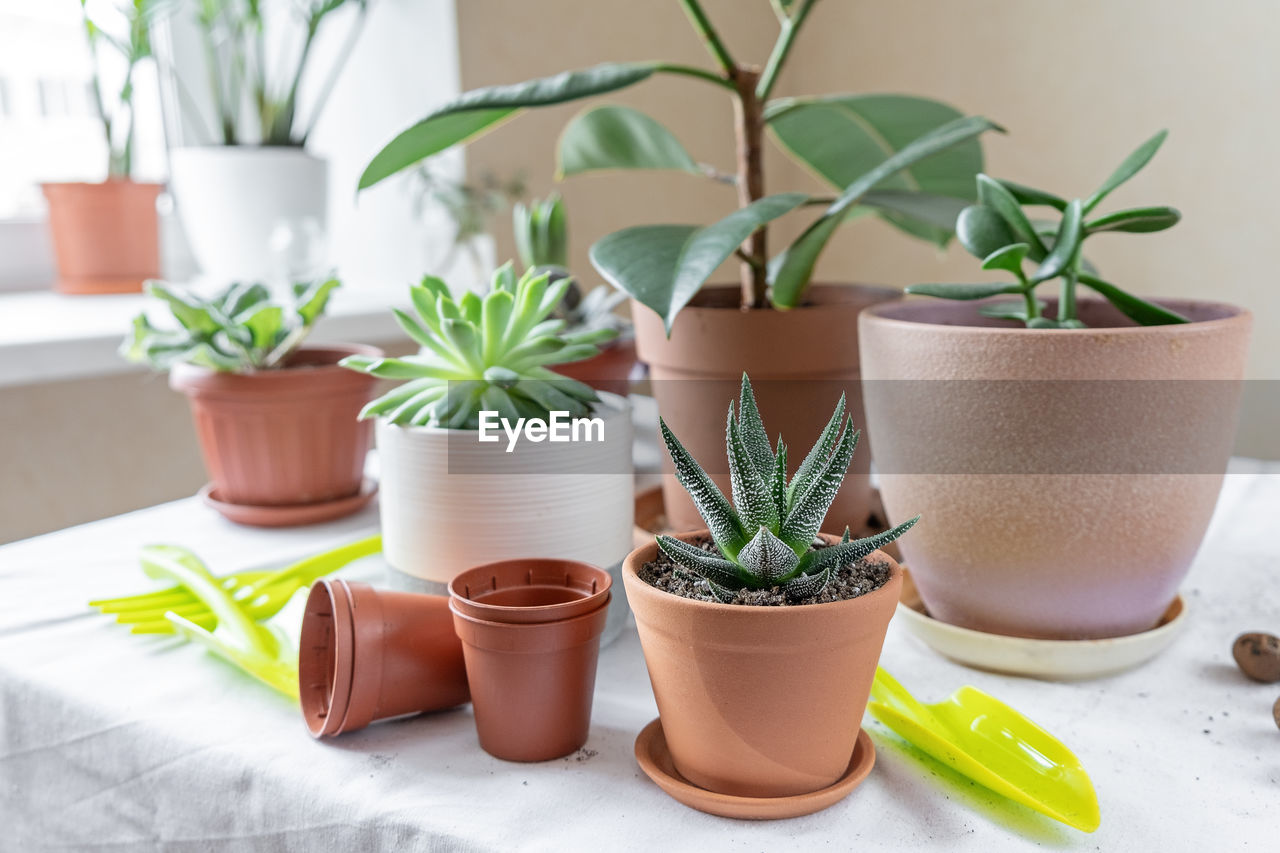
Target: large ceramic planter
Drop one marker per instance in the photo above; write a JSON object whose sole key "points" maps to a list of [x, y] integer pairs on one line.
{"points": [[105, 236], [760, 701], [1065, 477], [449, 502], [232, 198], [282, 437], [800, 361]]}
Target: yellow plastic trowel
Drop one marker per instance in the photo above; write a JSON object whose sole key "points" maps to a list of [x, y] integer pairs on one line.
{"points": [[979, 736]]}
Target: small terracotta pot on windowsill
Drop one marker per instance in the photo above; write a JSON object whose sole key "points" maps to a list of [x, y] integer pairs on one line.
{"points": [[105, 235]]}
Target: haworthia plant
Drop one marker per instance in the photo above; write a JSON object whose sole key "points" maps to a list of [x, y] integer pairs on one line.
{"points": [[765, 537], [999, 232], [238, 330], [483, 354], [909, 160]]}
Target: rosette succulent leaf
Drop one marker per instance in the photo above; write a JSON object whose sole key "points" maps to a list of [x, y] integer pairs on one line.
{"points": [[489, 353], [766, 536]]}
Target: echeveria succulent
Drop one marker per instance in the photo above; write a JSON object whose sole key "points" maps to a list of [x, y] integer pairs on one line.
{"points": [[766, 536]]}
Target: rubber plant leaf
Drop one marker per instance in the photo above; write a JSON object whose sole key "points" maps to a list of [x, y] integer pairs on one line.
{"points": [[616, 137], [479, 110], [792, 275], [841, 137]]}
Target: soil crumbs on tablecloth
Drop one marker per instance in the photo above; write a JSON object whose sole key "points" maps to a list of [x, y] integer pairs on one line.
{"points": [[851, 581]]}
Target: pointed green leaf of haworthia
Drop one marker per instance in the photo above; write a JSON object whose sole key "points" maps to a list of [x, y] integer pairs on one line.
{"points": [[1131, 166], [1133, 307], [751, 426], [1139, 220], [993, 194], [778, 484], [616, 137], [805, 518], [751, 494], [817, 457], [475, 112], [704, 565], [835, 556], [1065, 244], [963, 291], [710, 502], [1030, 196], [804, 586], [768, 558], [1009, 258], [792, 276], [983, 231], [663, 266], [842, 137]]}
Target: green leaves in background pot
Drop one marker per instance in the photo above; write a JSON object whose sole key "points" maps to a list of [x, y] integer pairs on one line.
{"points": [[483, 354], [999, 232], [541, 233], [616, 137], [765, 538], [238, 330]]}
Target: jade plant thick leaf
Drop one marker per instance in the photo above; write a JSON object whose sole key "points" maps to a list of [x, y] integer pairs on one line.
{"points": [[765, 537], [909, 160], [238, 330], [1004, 237], [488, 353]]}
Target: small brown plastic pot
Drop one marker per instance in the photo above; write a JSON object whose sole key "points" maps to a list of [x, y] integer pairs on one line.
{"points": [[367, 654], [529, 591], [531, 684], [105, 236]]}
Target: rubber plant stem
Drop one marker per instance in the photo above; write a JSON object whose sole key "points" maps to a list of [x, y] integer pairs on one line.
{"points": [[748, 120]]}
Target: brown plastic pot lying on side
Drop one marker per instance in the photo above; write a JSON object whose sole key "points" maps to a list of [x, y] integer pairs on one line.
{"points": [[531, 684], [105, 236], [368, 654], [534, 590], [282, 437], [760, 701], [609, 371], [800, 361]]}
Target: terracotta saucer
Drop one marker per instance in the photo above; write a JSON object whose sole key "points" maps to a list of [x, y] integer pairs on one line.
{"points": [[1051, 660], [655, 761], [289, 515]]}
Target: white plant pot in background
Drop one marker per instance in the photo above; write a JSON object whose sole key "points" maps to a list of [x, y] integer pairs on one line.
{"points": [[233, 199], [572, 501]]}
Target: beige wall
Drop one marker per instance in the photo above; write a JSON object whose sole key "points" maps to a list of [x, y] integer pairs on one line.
{"points": [[1077, 84]]}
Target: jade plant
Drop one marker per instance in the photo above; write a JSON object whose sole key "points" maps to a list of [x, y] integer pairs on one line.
{"points": [[765, 537], [488, 353], [238, 330], [910, 160], [1001, 234]]}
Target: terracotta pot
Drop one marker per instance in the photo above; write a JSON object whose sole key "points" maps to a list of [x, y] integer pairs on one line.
{"points": [[369, 654], [800, 361], [526, 591], [609, 371], [760, 701], [1064, 478], [105, 236], [532, 683], [282, 437]]}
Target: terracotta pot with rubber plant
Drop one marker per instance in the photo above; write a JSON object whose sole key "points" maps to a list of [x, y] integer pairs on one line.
{"points": [[530, 632], [368, 654], [761, 643], [903, 158], [277, 422], [1067, 456]]}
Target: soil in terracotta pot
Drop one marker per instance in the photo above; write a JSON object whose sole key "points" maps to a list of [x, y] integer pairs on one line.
{"points": [[851, 581]]}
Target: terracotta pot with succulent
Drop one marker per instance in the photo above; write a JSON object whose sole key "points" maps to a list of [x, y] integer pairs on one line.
{"points": [[762, 618], [909, 160], [106, 235], [482, 452], [1083, 441], [252, 198], [542, 241], [277, 421]]}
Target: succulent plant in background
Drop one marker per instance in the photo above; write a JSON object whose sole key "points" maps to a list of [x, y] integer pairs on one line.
{"points": [[488, 353], [998, 231], [541, 234], [766, 536], [238, 330]]}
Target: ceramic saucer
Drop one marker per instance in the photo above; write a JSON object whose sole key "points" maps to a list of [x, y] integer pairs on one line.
{"points": [[655, 761], [1053, 660], [289, 515]]}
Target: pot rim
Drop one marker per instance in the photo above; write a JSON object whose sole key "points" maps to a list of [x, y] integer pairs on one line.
{"points": [[889, 294], [634, 559], [251, 148], [616, 403], [601, 579], [158, 186], [193, 377], [1235, 315]]}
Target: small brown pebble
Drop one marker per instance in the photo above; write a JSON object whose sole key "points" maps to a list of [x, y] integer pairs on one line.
{"points": [[1258, 656]]}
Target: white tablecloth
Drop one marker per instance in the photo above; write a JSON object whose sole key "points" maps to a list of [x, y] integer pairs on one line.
{"points": [[113, 741]]}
